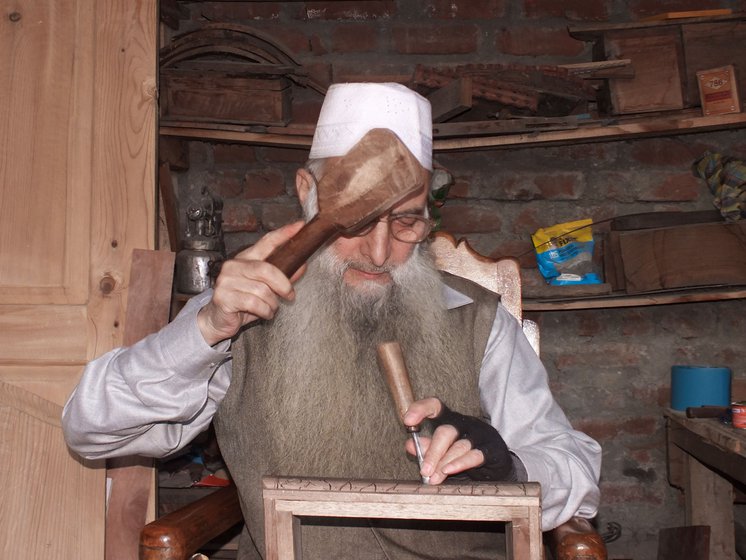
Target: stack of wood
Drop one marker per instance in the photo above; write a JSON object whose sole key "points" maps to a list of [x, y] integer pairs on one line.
{"points": [[225, 73], [525, 90]]}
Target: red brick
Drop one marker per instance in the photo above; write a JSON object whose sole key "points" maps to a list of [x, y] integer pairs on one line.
{"points": [[619, 493], [636, 323], [227, 184], [610, 353], [354, 38], [459, 189], [320, 73], [528, 221], [560, 186], [227, 11], [239, 217], [608, 429], [589, 324], [278, 215], [683, 187], [522, 250], [514, 187], [266, 183], [379, 70], [470, 219], [465, 9], [538, 41], [351, 9], [233, 153], [283, 155], [294, 39], [592, 10], [619, 186], [436, 39], [665, 151]]}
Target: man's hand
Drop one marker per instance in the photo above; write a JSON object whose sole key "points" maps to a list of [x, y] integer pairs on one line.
{"points": [[247, 288], [460, 444]]}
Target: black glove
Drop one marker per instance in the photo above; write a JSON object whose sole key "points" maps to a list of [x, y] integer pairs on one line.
{"points": [[498, 462]]}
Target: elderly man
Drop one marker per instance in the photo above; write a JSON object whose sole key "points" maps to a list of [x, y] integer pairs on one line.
{"points": [[287, 368]]}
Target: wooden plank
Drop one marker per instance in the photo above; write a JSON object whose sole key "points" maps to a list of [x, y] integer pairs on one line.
{"points": [[709, 501], [132, 496], [682, 122], [451, 100], [692, 543], [58, 329], [660, 258], [592, 32], [659, 79], [689, 14], [648, 220], [697, 295], [46, 85], [170, 205], [50, 498], [712, 45]]}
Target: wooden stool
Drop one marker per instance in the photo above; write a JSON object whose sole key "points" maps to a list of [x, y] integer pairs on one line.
{"points": [[286, 499]]}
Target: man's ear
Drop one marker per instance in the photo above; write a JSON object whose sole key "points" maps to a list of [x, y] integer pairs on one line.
{"points": [[303, 184]]}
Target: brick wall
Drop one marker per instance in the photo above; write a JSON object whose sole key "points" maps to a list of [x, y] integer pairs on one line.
{"points": [[609, 368]]}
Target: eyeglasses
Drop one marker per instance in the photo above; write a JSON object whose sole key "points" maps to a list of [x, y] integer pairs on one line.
{"points": [[407, 228]]}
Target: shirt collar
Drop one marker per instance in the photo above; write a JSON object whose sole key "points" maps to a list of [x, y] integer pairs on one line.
{"points": [[454, 298]]}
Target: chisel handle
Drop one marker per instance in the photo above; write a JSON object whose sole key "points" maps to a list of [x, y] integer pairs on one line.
{"points": [[391, 361]]}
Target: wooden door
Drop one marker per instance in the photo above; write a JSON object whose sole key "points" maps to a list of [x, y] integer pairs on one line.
{"points": [[77, 194]]}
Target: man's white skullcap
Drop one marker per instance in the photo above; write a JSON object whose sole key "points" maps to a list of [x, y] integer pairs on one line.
{"points": [[351, 110]]}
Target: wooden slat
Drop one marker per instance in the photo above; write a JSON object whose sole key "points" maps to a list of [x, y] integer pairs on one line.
{"points": [[451, 100], [49, 496], [132, 496], [46, 85], [682, 122], [60, 330]]}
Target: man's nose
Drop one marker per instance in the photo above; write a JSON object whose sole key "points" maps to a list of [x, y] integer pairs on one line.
{"points": [[377, 244]]}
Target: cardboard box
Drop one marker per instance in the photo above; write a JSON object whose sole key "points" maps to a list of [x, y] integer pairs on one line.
{"points": [[684, 256]]}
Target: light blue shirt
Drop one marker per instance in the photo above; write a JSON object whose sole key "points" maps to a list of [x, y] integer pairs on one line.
{"points": [[154, 397]]}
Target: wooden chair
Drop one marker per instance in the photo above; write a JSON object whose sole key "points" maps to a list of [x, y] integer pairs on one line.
{"points": [[177, 535]]}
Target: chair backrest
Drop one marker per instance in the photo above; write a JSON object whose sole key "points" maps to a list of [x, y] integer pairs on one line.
{"points": [[502, 276]]}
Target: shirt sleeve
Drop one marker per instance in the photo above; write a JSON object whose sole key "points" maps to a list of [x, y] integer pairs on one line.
{"points": [[515, 395], [152, 398]]}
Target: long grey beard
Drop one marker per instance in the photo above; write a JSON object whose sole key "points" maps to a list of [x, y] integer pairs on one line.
{"points": [[324, 373]]}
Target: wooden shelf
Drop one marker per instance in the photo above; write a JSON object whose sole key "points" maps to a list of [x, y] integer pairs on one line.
{"points": [[679, 122], [691, 295]]}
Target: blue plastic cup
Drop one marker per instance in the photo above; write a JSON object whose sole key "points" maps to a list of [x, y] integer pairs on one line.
{"points": [[699, 386]]}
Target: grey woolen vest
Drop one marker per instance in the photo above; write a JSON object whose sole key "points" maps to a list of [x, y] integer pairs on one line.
{"points": [[250, 437]]}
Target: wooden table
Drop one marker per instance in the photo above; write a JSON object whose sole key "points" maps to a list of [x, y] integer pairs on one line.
{"points": [[705, 459]]}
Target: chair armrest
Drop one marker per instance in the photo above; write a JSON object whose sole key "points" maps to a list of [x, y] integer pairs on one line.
{"points": [[577, 539], [179, 534]]}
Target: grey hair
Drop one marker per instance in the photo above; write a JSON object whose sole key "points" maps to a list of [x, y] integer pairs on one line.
{"points": [[315, 168]]}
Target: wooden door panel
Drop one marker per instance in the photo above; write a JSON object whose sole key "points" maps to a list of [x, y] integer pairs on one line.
{"points": [[46, 83], [39, 474], [43, 333]]}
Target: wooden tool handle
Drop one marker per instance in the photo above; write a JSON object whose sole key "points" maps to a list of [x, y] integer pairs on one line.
{"points": [[392, 363], [290, 256]]}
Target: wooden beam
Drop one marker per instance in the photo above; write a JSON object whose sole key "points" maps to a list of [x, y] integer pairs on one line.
{"points": [[451, 100], [132, 497]]}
